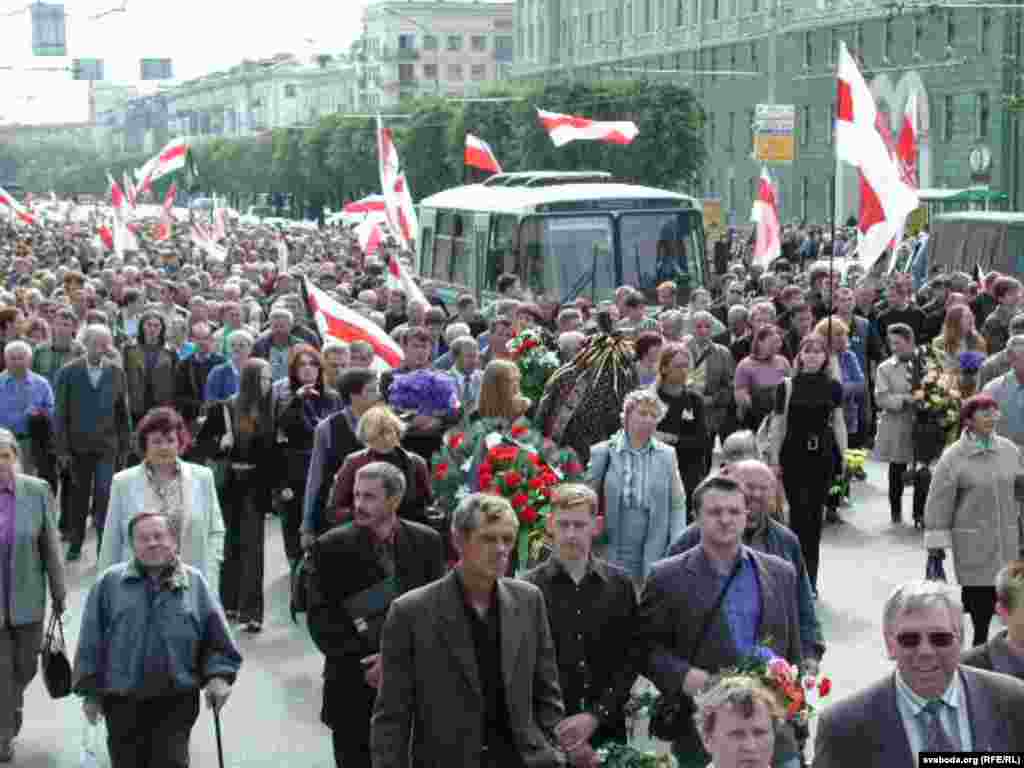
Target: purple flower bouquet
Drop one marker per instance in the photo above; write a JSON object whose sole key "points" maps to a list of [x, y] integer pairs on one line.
{"points": [[427, 393], [971, 362]]}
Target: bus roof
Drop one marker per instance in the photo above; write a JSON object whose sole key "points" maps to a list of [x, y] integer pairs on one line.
{"points": [[495, 199], [992, 217]]}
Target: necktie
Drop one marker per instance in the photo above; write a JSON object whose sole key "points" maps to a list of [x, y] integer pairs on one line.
{"points": [[936, 738]]}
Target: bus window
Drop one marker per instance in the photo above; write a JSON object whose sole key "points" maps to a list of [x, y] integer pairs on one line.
{"points": [[574, 251], [500, 252], [443, 246], [655, 247], [460, 250]]}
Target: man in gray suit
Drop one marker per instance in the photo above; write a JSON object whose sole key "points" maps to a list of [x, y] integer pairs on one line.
{"points": [[470, 677], [931, 703], [689, 635]]}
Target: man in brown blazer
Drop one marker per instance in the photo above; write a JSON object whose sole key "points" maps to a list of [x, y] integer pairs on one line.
{"points": [[689, 635], [470, 677]]}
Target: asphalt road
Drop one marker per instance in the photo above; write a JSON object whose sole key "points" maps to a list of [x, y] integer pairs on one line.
{"points": [[273, 716]]}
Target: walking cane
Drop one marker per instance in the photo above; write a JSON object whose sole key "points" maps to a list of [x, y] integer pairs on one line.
{"points": [[216, 730]]}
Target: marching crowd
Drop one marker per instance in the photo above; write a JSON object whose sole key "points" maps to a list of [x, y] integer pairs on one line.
{"points": [[177, 401]]}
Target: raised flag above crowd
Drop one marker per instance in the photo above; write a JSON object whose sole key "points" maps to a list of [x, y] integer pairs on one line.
{"points": [[765, 214], [169, 159], [7, 200], [566, 128], [395, 188], [480, 155], [335, 320]]}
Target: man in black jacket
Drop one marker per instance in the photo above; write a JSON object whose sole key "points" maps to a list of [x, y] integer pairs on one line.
{"points": [[192, 372], [360, 569]]}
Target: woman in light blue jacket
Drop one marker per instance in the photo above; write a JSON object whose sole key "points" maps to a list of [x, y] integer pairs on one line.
{"points": [[637, 478]]}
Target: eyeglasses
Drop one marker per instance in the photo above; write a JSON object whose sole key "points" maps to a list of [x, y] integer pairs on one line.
{"points": [[935, 639]]}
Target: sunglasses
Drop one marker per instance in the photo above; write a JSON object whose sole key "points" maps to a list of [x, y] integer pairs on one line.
{"points": [[935, 639]]}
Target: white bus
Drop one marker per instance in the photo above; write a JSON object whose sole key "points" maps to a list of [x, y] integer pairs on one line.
{"points": [[563, 234]]}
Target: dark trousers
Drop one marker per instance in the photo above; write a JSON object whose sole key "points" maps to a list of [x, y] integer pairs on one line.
{"points": [[896, 473], [64, 524], [806, 486], [91, 475], [291, 517], [348, 706], [241, 582], [150, 733], [693, 468], [19, 659], [980, 604]]}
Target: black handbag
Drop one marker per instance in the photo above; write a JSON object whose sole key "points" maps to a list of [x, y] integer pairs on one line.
{"points": [[54, 660], [672, 715]]}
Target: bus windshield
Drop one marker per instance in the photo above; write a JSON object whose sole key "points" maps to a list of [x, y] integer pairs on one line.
{"points": [[657, 247], [569, 255]]}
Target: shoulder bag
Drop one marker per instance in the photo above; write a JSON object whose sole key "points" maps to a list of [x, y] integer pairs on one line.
{"points": [[672, 715]]}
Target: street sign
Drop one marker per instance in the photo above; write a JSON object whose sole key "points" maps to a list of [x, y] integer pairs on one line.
{"points": [[773, 133]]}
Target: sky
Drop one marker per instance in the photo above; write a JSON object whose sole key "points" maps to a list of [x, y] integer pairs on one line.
{"points": [[200, 36]]}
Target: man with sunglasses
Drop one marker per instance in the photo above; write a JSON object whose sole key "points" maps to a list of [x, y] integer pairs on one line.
{"points": [[931, 703]]}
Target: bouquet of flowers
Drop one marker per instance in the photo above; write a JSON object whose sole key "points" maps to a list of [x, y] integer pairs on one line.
{"points": [[423, 392], [514, 462], [970, 365], [624, 756], [937, 402], [798, 696], [855, 459], [536, 362]]}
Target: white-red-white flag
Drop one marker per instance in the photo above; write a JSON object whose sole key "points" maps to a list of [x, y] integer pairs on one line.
{"points": [[395, 187], [887, 199], [116, 195], [7, 200], [220, 224], [907, 146], [337, 321], [124, 237], [368, 204], [169, 159], [129, 189], [370, 236], [768, 242], [565, 128], [398, 276], [480, 155], [163, 231]]}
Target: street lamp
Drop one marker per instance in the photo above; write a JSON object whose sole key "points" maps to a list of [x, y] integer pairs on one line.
{"points": [[426, 33]]}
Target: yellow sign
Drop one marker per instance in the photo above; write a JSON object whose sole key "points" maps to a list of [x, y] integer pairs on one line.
{"points": [[774, 148], [712, 214]]}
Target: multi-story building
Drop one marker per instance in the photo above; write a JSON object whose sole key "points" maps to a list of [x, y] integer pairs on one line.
{"points": [[413, 48], [964, 64]]}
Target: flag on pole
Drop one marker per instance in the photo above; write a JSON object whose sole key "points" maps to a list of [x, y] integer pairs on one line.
{"points": [[565, 128], [220, 224], [480, 155], [7, 200], [907, 147], [123, 237], [368, 204], [129, 189], [768, 243], [399, 277], [336, 321], [397, 198], [370, 236], [887, 199], [169, 159], [163, 231]]}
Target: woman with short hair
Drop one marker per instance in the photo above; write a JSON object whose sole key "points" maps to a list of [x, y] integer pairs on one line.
{"points": [[738, 704], [894, 387], [758, 376], [638, 478]]}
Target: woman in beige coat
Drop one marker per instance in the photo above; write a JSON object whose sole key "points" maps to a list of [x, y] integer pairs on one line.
{"points": [[972, 508], [894, 442]]}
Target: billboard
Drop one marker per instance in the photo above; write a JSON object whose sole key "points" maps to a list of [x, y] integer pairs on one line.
{"points": [[48, 30], [773, 133]]}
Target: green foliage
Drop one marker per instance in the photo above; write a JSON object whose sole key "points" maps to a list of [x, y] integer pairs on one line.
{"points": [[336, 159]]}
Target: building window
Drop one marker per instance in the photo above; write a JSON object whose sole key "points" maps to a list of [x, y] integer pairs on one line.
{"points": [[406, 41], [805, 190], [430, 71], [985, 26], [805, 125], [918, 35], [858, 40], [808, 49], [713, 55], [983, 115], [947, 118], [478, 43], [950, 28], [454, 42], [887, 41], [617, 20], [647, 16], [732, 131], [406, 73], [455, 72], [289, 91], [711, 130], [732, 57], [830, 53], [753, 55], [503, 45], [732, 195], [588, 29], [478, 72], [714, 10], [754, 6], [430, 43], [680, 12]]}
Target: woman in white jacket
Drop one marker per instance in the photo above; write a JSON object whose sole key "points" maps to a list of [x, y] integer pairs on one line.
{"points": [[164, 483]]}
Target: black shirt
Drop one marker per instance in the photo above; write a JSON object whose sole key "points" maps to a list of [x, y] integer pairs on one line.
{"points": [[486, 632], [592, 626]]}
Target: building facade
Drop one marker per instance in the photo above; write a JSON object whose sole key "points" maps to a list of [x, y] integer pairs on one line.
{"points": [[450, 48], [964, 64]]}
